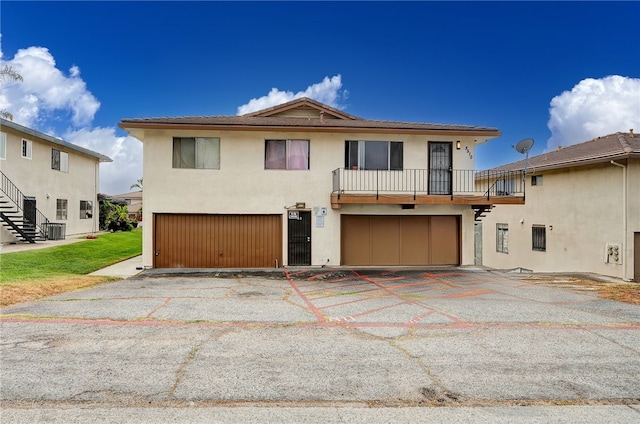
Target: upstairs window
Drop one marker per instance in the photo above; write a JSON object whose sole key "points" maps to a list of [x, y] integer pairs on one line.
{"points": [[59, 160], [3, 145], [196, 153], [372, 155], [539, 238], [286, 154], [86, 209], [26, 149]]}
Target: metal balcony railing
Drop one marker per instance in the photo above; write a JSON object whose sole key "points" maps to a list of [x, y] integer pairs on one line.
{"points": [[420, 182]]}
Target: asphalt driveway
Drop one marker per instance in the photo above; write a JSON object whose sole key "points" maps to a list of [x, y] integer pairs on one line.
{"points": [[321, 338]]}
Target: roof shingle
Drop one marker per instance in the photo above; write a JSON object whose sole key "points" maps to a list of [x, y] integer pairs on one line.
{"points": [[601, 149]]}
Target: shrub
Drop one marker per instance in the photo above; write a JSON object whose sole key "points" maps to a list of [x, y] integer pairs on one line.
{"points": [[117, 219]]}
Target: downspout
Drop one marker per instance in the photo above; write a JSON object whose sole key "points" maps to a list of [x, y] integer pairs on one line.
{"points": [[96, 206], [624, 218]]}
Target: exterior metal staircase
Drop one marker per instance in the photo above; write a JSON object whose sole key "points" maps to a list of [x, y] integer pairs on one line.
{"points": [[480, 211], [28, 225]]}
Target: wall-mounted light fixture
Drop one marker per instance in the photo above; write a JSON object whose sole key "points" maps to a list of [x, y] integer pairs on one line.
{"points": [[458, 145], [300, 205]]}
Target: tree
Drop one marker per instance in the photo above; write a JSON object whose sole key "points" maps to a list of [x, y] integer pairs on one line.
{"points": [[117, 218], [8, 73], [138, 184]]}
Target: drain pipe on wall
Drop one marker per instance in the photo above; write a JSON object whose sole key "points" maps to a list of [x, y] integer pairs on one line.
{"points": [[624, 218]]}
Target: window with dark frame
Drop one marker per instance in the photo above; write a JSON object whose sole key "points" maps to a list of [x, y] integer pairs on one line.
{"points": [[539, 238], [196, 152], [286, 154], [502, 238], [26, 149], [86, 209], [59, 160], [61, 209], [373, 155], [536, 180]]}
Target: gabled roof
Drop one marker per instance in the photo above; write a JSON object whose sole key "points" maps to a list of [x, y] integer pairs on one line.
{"points": [[304, 104], [304, 114], [54, 140], [602, 149]]}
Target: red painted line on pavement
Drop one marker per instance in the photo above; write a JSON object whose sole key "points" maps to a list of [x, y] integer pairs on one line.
{"points": [[346, 303], [467, 294], [310, 294], [319, 315], [421, 283], [329, 285], [373, 311], [451, 317], [417, 318]]}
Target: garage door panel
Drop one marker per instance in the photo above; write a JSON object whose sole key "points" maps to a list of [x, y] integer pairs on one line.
{"points": [[217, 241], [445, 239], [414, 233], [356, 240], [400, 240], [385, 240]]}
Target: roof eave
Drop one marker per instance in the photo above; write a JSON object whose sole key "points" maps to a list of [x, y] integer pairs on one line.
{"points": [[130, 128], [54, 140], [580, 162]]}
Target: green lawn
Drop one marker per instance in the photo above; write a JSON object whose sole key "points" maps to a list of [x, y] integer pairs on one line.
{"points": [[78, 258]]}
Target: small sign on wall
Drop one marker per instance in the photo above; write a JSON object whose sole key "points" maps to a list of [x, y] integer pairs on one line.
{"points": [[319, 221]]}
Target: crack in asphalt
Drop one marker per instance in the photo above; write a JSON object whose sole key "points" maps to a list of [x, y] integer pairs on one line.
{"points": [[181, 370]]}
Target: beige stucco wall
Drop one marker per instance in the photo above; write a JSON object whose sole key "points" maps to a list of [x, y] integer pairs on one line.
{"points": [[34, 177], [582, 209], [632, 218], [243, 186]]}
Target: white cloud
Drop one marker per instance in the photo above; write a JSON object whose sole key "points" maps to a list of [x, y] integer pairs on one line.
{"points": [[46, 90], [327, 91], [593, 108], [126, 152], [48, 96]]}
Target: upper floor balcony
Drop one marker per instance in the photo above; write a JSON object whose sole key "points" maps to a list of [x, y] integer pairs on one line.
{"points": [[427, 187]]}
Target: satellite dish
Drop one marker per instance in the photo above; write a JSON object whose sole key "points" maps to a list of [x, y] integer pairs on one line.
{"points": [[524, 145]]}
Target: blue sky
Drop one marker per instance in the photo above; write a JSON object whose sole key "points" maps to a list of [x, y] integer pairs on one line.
{"points": [[560, 73]]}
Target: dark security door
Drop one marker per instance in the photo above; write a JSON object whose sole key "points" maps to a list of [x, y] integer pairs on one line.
{"points": [[299, 238], [29, 208], [440, 168]]}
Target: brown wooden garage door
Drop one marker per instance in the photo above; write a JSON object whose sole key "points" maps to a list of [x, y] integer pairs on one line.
{"points": [[400, 240], [217, 241]]}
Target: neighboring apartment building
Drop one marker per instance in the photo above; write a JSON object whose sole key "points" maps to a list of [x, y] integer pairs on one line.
{"points": [[303, 183], [133, 201], [49, 186], [582, 212]]}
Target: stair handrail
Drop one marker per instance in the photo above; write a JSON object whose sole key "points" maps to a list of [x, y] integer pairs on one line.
{"points": [[18, 198], [500, 176]]}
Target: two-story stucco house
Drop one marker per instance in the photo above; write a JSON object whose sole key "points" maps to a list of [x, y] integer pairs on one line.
{"points": [[582, 212], [49, 186], [303, 183]]}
